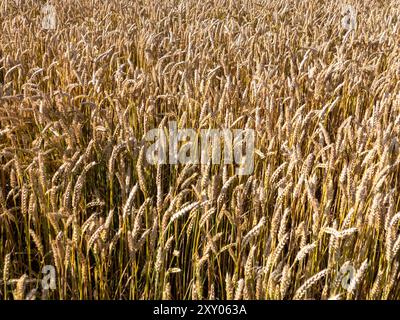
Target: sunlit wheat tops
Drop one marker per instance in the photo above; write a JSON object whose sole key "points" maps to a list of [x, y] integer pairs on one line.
{"points": [[318, 216]]}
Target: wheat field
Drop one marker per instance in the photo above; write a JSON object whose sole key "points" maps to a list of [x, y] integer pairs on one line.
{"points": [[317, 218]]}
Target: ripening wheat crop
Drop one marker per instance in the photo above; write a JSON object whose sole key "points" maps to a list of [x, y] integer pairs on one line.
{"points": [[318, 217]]}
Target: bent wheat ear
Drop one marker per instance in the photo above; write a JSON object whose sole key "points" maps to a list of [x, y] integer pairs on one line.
{"points": [[183, 211], [302, 291], [305, 251], [253, 232]]}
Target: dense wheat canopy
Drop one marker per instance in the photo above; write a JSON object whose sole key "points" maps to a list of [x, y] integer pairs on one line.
{"points": [[318, 217]]}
